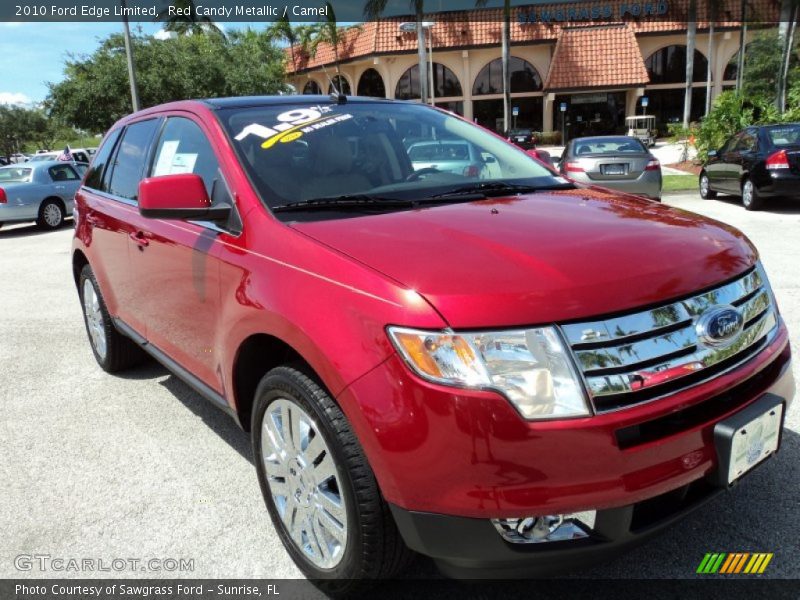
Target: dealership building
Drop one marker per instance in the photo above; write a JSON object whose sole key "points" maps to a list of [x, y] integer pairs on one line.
{"points": [[590, 64]]}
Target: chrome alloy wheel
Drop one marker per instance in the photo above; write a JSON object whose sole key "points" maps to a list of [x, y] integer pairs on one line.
{"points": [[704, 186], [303, 483], [747, 193], [52, 215], [94, 319]]}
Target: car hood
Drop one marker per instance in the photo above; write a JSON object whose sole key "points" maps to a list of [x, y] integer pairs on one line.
{"points": [[542, 257]]}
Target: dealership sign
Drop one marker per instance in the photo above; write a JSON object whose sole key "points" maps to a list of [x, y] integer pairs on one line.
{"points": [[594, 12]]}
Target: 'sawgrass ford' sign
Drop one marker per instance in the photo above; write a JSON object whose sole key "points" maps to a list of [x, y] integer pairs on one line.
{"points": [[594, 12]]}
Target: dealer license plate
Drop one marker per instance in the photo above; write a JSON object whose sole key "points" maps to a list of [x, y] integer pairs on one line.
{"points": [[753, 441]]}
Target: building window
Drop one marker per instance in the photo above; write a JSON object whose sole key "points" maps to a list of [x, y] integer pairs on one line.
{"points": [[445, 83], [667, 106], [489, 113], [371, 84], [668, 65], [312, 88], [523, 75], [341, 84]]}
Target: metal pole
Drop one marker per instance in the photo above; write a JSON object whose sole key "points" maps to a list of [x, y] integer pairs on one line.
{"points": [[129, 55], [742, 36], [430, 60]]}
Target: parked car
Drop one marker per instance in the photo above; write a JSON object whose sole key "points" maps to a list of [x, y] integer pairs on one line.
{"points": [[617, 162], [77, 155], [448, 156], [524, 138], [19, 158], [758, 163], [488, 371], [43, 191], [3, 161]]}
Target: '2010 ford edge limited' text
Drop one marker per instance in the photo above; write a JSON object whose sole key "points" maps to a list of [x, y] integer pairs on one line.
{"points": [[489, 365]]}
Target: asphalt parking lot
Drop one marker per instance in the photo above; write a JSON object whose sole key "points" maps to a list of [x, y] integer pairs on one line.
{"points": [[139, 466]]}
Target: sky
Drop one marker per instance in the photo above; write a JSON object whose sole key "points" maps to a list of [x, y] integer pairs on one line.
{"points": [[31, 54]]}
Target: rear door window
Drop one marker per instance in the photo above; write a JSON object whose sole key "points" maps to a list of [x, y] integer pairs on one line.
{"points": [[94, 179], [62, 173], [130, 159]]}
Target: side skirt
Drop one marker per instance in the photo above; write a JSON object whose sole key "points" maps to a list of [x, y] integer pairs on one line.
{"points": [[193, 382]]}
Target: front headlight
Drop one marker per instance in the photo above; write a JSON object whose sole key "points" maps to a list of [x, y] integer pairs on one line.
{"points": [[530, 367]]}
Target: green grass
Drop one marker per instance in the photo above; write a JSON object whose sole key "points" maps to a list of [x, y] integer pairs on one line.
{"points": [[679, 183]]}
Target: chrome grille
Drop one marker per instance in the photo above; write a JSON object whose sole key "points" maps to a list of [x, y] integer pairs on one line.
{"points": [[632, 358]]}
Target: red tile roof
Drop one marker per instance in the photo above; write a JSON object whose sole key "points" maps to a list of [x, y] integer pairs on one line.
{"points": [[483, 27], [592, 56]]}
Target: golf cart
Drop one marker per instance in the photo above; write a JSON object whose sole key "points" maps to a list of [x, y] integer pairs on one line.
{"points": [[642, 127]]}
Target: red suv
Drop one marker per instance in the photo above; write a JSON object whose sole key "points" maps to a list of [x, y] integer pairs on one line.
{"points": [[500, 369]]}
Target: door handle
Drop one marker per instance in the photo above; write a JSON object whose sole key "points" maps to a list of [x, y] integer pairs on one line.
{"points": [[140, 239]]}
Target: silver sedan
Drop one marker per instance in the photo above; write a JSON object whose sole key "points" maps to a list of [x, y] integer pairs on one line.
{"points": [[617, 162], [41, 191]]}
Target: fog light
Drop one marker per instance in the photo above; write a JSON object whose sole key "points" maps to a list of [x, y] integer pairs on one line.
{"points": [[547, 528]]}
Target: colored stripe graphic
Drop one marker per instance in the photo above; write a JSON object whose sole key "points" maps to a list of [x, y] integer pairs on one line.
{"points": [[724, 563]]}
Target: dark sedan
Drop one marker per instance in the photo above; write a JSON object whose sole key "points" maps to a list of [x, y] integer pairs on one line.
{"points": [[757, 164], [524, 138]]}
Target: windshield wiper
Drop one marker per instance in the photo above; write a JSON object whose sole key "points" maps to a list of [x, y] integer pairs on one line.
{"points": [[366, 202], [349, 201], [496, 188]]}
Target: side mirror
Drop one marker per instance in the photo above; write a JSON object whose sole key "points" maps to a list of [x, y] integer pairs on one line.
{"points": [[181, 196], [712, 153], [489, 160]]}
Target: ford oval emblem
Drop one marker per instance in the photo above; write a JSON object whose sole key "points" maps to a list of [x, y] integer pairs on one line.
{"points": [[719, 326]]}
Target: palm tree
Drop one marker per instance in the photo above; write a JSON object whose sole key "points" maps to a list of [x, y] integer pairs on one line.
{"points": [[506, 60], [283, 30], [691, 38], [373, 9], [786, 29], [185, 21], [325, 32]]}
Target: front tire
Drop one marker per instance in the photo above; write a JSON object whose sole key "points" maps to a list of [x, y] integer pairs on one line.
{"points": [[706, 193], [751, 199], [112, 350], [319, 489], [51, 215]]}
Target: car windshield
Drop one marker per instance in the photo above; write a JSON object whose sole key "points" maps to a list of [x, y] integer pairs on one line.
{"points": [[785, 135], [397, 151], [620, 145], [15, 174], [520, 132]]}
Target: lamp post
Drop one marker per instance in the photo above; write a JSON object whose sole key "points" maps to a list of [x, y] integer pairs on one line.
{"points": [[129, 56], [427, 27]]}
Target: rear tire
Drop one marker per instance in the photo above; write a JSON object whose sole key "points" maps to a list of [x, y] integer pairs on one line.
{"points": [[51, 215], [751, 199], [706, 193], [299, 474], [112, 350]]}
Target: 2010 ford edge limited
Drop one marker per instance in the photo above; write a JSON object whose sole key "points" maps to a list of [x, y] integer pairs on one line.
{"points": [[494, 367]]}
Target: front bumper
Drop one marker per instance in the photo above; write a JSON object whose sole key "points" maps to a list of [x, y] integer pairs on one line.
{"points": [[468, 453]]}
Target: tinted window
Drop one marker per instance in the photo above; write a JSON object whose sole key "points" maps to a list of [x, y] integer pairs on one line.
{"points": [[15, 174], [445, 83], [129, 161], [95, 177], [747, 142], [523, 75], [184, 148], [620, 145], [785, 135], [62, 173]]}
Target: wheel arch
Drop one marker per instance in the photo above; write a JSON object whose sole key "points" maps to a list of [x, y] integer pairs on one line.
{"points": [[79, 261], [256, 355], [59, 200]]}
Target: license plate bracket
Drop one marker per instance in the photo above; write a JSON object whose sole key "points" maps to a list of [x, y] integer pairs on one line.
{"points": [[613, 169], [748, 438]]}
